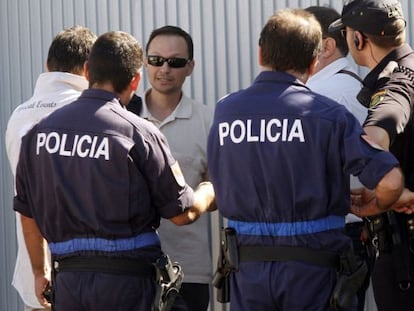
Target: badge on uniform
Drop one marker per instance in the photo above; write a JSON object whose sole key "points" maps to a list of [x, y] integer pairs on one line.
{"points": [[377, 98]]}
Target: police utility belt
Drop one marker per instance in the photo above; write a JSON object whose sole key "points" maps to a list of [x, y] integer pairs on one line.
{"points": [[104, 264], [392, 234], [351, 273], [389, 230], [168, 275]]}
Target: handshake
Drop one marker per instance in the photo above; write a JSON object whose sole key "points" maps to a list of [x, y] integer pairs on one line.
{"points": [[364, 202]]}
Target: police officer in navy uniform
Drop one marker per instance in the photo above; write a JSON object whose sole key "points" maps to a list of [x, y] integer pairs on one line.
{"points": [[280, 157], [375, 33], [94, 179]]}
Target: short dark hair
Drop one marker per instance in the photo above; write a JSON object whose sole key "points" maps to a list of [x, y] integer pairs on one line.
{"points": [[173, 31], [70, 49], [116, 57], [325, 17], [290, 40]]}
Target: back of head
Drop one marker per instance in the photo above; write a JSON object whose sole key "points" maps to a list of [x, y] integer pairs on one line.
{"points": [[325, 17], [290, 40], [382, 21], [116, 57], [169, 30], [70, 49]]}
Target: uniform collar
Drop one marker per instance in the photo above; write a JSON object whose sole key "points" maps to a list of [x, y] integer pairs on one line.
{"points": [[183, 110], [101, 95], [395, 55], [278, 76]]}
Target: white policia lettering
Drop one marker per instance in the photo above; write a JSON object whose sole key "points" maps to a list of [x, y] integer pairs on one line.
{"points": [[83, 146], [272, 130]]}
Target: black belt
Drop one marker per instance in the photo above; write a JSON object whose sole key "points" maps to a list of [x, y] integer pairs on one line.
{"points": [[355, 224], [288, 253], [105, 265]]}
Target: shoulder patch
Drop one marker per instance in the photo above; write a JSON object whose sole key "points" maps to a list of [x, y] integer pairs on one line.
{"points": [[178, 174], [377, 98]]}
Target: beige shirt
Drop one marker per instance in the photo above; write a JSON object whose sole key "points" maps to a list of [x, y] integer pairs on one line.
{"points": [[186, 130]]}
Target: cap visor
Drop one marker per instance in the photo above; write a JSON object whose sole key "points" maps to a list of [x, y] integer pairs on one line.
{"points": [[336, 25]]}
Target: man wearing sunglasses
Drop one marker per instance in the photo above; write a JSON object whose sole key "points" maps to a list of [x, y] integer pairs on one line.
{"points": [[185, 123], [103, 246]]}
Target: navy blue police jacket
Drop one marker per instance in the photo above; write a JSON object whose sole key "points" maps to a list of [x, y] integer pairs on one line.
{"points": [[97, 178], [280, 157]]}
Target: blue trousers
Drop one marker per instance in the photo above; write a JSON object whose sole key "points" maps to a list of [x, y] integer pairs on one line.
{"points": [[282, 286], [96, 291]]}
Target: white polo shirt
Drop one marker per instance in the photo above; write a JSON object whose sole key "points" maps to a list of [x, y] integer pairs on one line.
{"points": [[186, 130]]}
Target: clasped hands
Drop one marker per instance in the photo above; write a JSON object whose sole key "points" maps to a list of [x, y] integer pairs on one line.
{"points": [[363, 202]]}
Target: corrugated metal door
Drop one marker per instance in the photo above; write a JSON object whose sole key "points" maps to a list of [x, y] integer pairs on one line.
{"points": [[225, 34]]}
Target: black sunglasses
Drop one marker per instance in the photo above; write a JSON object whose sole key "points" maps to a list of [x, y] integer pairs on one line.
{"points": [[173, 62]]}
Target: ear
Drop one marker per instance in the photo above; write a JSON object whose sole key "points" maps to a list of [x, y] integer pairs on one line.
{"points": [[358, 40], [86, 70], [135, 82], [328, 47], [190, 67]]}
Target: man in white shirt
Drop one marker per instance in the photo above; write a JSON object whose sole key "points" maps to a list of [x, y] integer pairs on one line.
{"points": [[335, 78], [60, 85]]}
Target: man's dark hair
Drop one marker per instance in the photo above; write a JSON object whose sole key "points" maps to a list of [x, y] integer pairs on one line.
{"points": [[290, 40], [325, 17], [116, 57], [173, 31], [70, 49]]}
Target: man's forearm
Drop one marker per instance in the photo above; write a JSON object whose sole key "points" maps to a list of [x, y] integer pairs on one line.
{"points": [[36, 246], [204, 200], [389, 189]]}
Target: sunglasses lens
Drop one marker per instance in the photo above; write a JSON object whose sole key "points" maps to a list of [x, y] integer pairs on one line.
{"points": [[177, 62], [156, 61], [174, 62]]}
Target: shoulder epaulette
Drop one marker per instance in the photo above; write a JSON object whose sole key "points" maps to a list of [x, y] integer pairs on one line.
{"points": [[388, 70], [406, 71]]}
